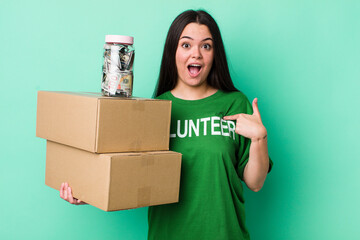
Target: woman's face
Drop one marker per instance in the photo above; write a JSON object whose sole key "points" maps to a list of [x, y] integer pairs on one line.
{"points": [[194, 55]]}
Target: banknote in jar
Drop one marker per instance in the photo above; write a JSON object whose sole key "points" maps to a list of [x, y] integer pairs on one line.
{"points": [[125, 84], [111, 83]]}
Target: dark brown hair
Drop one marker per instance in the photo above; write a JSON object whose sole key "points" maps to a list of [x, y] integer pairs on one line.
{"points": [[219, 75]]}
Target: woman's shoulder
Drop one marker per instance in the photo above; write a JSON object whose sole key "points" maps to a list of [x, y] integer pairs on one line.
{"points": [[236, 96], [164, 96], [238, 101]]}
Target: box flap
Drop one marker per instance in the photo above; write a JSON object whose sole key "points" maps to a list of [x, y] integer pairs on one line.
{"points": [[128, 173], [87, 173], [147, 124], [67, 118], [149, 179]]}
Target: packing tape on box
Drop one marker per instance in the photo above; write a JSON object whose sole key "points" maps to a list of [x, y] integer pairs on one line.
{"points": [[139, 105], [144, 193], [144, 196]]}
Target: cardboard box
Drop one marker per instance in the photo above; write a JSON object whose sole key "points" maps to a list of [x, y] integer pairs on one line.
{"points": [[101, 124], [115, 181]]}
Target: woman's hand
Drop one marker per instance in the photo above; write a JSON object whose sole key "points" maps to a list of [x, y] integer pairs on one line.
{"points": [[66, 194], [249, 126]]}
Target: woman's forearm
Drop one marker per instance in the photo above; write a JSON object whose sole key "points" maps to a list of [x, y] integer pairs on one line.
{"points": [[258, 165]]}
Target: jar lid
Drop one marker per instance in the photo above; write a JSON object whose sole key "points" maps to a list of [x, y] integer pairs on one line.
{"points": [[119, 39]]}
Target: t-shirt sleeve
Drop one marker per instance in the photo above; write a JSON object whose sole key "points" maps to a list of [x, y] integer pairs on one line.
{"points": [[244, 148]]}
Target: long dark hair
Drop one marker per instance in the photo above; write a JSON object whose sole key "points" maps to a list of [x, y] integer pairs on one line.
{"points": [[219, 75]]}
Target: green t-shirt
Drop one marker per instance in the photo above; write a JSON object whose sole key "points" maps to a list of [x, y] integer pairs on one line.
{"points": [[211, 203]]}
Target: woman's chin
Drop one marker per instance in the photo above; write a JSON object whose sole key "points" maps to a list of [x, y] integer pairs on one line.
{"points": [[195, 83]]}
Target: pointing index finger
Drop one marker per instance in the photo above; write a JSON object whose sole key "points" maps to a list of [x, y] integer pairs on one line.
{"points": [[232, 117], [255, 107]]}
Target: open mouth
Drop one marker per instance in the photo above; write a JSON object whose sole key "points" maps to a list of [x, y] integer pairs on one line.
{"points": [[194, 69]]}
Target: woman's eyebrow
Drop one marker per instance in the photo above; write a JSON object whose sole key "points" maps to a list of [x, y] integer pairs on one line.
{"points": [[207, 39], [193, 39], [186, 37]]}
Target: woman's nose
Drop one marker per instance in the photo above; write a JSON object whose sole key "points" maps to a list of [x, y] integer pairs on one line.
{"points": [[196, 53]]}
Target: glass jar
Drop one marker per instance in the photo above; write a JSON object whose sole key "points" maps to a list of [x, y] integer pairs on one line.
{"points": [[117, 79]]}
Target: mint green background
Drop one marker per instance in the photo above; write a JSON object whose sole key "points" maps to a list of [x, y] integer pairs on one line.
{"points": [[300, 58]]}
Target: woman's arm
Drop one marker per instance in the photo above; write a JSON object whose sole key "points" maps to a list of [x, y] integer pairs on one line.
{"points": [[251, 126], [257, 167]]}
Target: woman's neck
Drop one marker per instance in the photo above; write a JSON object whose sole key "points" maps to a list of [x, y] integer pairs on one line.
{"points": [[193, 93]]}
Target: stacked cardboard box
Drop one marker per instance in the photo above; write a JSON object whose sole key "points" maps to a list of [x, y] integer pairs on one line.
{"points": [[113, 152]]}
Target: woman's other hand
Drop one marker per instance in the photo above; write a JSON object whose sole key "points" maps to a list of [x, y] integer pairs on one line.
{"points": [[66, 194], [249, 126]]}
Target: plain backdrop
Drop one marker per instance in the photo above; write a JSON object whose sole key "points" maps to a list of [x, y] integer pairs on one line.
{"points": [[300, 58]]}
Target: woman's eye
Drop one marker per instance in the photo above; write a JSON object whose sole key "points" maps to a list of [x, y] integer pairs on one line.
{"points": [[185, 45], [207, 46]]}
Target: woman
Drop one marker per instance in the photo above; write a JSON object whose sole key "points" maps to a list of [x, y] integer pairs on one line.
{"points": [[212, 124], [216, 152]]}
